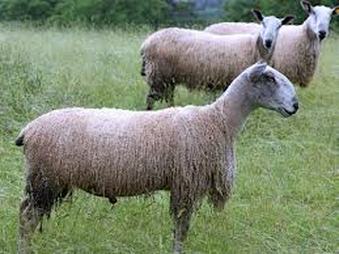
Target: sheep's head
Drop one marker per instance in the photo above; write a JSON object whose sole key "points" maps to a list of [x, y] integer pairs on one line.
{"points": [[270, 89], [270, 28], [319, 18]]}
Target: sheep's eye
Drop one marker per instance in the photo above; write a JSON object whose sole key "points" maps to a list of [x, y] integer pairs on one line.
{"points": [[270, 79]]}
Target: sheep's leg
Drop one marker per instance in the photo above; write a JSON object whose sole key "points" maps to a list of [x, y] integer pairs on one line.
{"points": [[152, 97], [29, 219], [181, 209], [181, 222], [170, 95], [40, 197]]}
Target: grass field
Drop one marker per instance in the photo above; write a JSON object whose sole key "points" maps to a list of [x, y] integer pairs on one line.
{"points": [[286, 194]]}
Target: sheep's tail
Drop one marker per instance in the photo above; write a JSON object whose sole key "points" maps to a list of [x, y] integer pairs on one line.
{"points": [[142, 72], [143, 67], [20, 139], [143, 64]]}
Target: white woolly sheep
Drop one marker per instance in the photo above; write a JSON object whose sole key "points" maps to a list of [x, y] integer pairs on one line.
{"points": [[200, 60], [188, 151], [298, 47]]}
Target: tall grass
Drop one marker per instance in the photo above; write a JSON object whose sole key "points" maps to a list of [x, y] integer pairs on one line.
{"points": [[285, 198]]}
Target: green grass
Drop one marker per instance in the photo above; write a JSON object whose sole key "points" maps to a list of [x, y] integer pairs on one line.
{"points": [[286, 192]]}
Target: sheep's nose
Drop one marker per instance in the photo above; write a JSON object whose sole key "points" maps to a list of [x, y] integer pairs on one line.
{"points": [[296, 106], [268, 43], [322, 34]]}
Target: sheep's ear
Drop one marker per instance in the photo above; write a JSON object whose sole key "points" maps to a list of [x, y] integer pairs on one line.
{"points": [[287, 20], [306, 6], [258, 15], [335, 11], [257, 71]]}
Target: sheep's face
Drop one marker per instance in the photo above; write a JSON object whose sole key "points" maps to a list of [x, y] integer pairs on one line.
{"points": [[272, 90], [270, 27], [319, 18]]}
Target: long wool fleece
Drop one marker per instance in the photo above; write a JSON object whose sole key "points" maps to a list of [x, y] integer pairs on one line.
{"points": [[198, 59], [111, 152]]}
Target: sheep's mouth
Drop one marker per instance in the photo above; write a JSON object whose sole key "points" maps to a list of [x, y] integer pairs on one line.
{"points": [[286, 113]]}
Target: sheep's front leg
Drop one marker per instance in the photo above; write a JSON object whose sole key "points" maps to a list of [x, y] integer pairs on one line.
{"points": [[160, 90], [152, 97], [181, 222], [169, 97], [181, 206]]}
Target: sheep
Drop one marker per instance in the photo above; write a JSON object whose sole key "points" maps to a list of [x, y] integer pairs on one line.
{"points": [[231, 28], [200, 60], [188, 151], [298, 46]]}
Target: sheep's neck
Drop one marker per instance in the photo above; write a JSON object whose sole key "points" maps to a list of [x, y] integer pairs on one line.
{"points": [[311, 40], [233, 108], [263, 53], [309, 48]]}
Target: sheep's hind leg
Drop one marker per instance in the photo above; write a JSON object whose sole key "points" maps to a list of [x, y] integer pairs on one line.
{"points": [[40, 197], [29, 218]]}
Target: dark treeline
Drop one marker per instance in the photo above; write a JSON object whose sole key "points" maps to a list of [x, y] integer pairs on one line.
{"points": [[239, 10], [143, 12], [96, 12]]}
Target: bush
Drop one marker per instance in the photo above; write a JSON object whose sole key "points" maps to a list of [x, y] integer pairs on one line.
{"points": [[100, 12], [97, 12], [141, 12], [26, 9]]}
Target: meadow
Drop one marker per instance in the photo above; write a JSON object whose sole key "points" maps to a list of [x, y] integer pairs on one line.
{"points": [[286, 191]]}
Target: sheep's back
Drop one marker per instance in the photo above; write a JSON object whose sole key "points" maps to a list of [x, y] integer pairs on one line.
{"points": [[228, 28]]}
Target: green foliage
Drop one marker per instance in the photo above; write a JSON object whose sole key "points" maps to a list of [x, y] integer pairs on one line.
{"points": [[182, 13], [111, 12], [142, 12], [97, 12], [26, 9], [240, 10]]}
